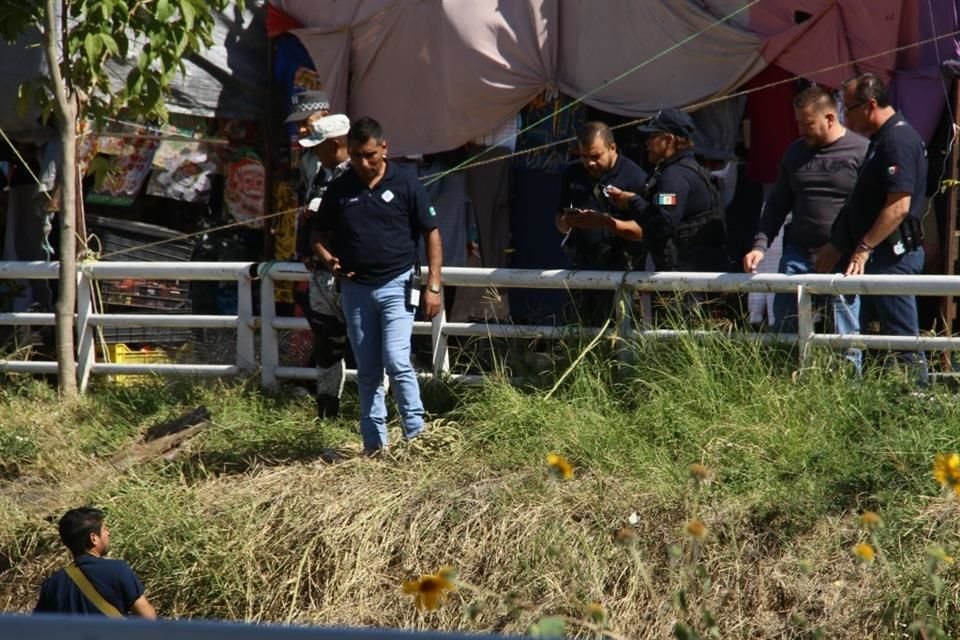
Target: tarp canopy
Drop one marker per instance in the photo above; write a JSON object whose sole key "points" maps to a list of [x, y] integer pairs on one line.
{"points": [[438, 74], [806, 36], [225, 80]]}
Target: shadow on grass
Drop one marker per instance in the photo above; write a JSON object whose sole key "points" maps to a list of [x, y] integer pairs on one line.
{"points": [[202, 465]]}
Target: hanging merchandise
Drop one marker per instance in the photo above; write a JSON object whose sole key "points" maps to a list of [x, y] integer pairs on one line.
{"points": [[285, 233], [244, 193], [183, 170], [88, 146], [113, 145], [126, 174]]}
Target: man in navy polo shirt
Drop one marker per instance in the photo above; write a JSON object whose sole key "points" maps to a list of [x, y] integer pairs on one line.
{"points": [[878, 229], [92, 584], [367, 231]]}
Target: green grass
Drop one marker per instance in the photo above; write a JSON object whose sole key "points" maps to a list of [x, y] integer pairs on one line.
{"points": [[247, 523]]}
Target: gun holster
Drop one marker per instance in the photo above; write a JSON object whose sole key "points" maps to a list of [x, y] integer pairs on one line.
{"points": [[907, 237]]}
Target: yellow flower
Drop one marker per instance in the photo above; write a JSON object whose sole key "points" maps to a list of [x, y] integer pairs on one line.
{"points": [[625, 536], [696, 529], [869, 520], [448, 572], [946, 470], [939, 554], [699, 473], [863, 551], [559, 466], [596, 613], [430, 590]]}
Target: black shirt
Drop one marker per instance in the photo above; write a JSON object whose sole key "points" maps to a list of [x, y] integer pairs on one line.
{"points": [[676, 193], [113, 579], [896, 162], [376, 231], [580, 190], [813, 183]]}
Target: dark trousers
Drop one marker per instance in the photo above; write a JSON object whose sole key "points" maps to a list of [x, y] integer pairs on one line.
{"points": [[897, 315]]}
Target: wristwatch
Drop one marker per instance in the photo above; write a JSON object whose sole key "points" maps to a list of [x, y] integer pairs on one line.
{"points": [[433, 288]]}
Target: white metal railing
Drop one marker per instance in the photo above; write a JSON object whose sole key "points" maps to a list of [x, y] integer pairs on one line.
{"points": [[246, 323], [87, 320]]}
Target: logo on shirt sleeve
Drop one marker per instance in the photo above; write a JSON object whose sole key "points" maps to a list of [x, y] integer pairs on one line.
{"points": [[433, 212], [666, 199], [893, 170]]}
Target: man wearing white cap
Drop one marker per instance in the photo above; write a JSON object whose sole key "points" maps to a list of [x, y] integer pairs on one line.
{"points": [[326, 137]]}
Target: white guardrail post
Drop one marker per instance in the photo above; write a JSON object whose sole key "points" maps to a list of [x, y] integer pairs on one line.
{"points": [[804, 324], [246, 324], [623, 313], [86, 351], [438, 342], [269, 344]]}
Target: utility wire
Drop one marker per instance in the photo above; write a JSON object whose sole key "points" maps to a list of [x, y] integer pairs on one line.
{"points": [[614, 80], [474, 161]]}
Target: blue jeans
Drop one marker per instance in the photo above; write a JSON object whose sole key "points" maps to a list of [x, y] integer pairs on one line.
{"points": [[379, 325], [897, 315], [845, 309]]}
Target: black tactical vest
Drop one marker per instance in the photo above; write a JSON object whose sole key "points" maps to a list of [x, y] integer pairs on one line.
{"points": [[698, 243]]}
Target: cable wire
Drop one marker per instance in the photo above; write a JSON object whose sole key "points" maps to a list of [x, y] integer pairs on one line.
{"points": [[474, 162], [606, 84]]}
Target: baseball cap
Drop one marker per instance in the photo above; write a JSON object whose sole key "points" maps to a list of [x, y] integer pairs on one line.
{"points": [[670, 121], [326, 128], [306, 102]]}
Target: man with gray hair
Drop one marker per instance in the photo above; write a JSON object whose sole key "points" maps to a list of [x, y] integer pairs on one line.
{"points": [[878, 231]]}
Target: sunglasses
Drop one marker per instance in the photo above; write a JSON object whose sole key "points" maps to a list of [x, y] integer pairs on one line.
{"points": [[849, 108]]}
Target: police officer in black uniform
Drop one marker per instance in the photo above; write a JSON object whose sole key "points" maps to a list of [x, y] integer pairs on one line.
{"points": [[584, 187], [679, 213], [878, 230]]}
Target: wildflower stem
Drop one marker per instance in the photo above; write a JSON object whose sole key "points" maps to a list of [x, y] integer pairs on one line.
{"points": [[579, 359], [882, 557], [601, 632], [643, 571]]}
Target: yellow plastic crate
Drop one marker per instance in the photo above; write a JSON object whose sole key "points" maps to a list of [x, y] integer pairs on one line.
{"points": [[122, 354]]}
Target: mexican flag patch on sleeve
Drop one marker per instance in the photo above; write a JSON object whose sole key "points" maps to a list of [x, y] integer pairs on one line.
{"points": [[666, 199], [893, 170]]}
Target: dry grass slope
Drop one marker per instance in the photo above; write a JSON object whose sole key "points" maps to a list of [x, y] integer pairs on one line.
{"points": [[249, 524]]}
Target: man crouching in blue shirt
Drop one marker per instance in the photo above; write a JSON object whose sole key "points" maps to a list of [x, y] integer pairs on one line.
{"points": [[92, 584], [366, 231]]}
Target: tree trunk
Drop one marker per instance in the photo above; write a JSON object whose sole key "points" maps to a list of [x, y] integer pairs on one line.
{"points": [[66, 112]]}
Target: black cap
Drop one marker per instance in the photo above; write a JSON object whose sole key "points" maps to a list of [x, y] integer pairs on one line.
{"points": [[670, 121]]}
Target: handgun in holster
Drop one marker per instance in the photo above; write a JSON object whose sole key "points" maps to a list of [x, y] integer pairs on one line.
{"points": [[907, 237]]}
